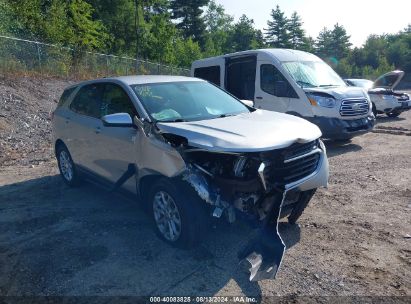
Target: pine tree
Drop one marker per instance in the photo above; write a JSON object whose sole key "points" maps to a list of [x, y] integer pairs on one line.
{"points": [[244, 36], [341, 42], [296, 32], [324, 43], [188, 13], [277, 31]]}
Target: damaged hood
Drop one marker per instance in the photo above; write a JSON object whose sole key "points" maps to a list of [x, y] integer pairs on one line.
{"points": [[248, 132], [389, 80], [339, 92]]}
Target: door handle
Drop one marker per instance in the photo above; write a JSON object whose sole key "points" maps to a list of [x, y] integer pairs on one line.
{"points": [[258, 97], [98, 130]]}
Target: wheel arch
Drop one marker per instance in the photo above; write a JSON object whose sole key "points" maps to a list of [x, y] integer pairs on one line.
{"points": [[144, 184], [57, 144]]}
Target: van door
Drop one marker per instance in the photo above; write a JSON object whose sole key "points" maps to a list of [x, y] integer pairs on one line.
{"points": [[240, 76], [273, 91]]}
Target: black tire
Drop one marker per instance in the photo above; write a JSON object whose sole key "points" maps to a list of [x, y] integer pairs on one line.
{"points": [[374, 110], [300, 206], [342, 140], [192, 212], [394, 114], [65, 162]]}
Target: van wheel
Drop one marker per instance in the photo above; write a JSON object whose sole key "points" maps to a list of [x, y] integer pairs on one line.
{"points": [[374, 110], [179, 215], [302, 203], [394, 114], [67, 167]]}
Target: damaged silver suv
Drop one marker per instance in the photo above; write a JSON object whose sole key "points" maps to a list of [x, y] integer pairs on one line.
{"points": [[190, 151]]}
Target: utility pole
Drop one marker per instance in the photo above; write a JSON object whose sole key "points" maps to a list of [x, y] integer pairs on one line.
{"points": [[136, 25]]}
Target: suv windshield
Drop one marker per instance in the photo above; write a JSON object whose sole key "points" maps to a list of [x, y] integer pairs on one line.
{"points": [[309, 74], [187, 101]]}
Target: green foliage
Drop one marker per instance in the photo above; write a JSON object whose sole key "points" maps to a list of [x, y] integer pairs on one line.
{"points": [[244, 36], [84, 32], [296, 33], [187, 50], [177, 32], [218, 26], [8, 24], [277, 32], [188, 13]]}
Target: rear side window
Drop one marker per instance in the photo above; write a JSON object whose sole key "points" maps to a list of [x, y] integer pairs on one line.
{"points": [[211, 74], [269, 74], [116, 100], [88, 101], [65, 96]]}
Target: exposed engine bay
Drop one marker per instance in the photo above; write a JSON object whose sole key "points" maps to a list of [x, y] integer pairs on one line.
{"points": [[399, 95]]}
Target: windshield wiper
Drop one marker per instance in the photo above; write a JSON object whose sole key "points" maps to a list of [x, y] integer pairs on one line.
{"points": [[174, 120], [326, 85], [304, 83], [226, 115]]}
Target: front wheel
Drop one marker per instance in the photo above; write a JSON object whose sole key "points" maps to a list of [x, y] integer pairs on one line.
{"points": [[374, 110], [302, 203], [179, 215]]}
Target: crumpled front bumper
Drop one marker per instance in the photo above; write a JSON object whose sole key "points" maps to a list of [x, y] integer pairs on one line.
{"points": [[265, 251]]}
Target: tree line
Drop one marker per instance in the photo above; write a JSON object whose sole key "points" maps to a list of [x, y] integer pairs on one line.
{"points": [[178, 32]]}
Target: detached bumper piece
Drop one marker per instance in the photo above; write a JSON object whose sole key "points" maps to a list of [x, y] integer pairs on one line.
{"points": [[265, 251]]}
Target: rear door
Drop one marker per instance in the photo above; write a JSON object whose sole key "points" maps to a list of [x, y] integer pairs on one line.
{"points": [[115, 148], [82, 123], [267, 96]]}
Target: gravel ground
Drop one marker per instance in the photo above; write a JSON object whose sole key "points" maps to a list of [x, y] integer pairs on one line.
{"points": [[353, 239]]}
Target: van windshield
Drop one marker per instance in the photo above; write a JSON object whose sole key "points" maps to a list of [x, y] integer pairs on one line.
{"points": [[310, 74], [187, 101]]}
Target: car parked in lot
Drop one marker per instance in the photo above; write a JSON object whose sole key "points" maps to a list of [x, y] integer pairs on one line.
{"points": [[383, 97], [191, 151], [292, 82]]}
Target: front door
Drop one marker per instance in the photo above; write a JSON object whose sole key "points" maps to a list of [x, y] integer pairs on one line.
{"points": [[115, 146], [267, 95]]}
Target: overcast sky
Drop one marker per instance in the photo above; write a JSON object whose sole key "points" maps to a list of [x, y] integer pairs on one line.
{"points": [[360, 17]]}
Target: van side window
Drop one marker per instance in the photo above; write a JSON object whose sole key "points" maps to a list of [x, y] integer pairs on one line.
{"points": [[269, 75], [211, 74], [88, 100], [116, 100]]}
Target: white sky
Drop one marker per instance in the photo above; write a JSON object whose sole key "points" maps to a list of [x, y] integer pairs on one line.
{"points": [[359, 17]]}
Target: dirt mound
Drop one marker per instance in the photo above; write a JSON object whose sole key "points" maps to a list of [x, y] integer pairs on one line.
{"points": [[25, 125]]}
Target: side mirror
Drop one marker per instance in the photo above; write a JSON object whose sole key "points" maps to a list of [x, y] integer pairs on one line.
{"points": [[280, 88], [247, 102], [117, 120]]}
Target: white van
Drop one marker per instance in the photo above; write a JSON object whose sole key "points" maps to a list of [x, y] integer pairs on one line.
{"points": [[292, 82]]}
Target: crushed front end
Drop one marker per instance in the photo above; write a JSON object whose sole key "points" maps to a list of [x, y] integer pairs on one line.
{"points": [[259, 187]]}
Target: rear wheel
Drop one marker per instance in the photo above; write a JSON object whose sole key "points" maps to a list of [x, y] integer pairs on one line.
{"points": [[66, 166], [179, 215], [394, 114]]}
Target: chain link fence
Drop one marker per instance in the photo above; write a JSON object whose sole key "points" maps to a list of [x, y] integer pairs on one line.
{"points": [[31, 57]]}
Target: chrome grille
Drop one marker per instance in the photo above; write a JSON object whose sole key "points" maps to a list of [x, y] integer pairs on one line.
{"points": [[292, 164], [354, 107]]}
